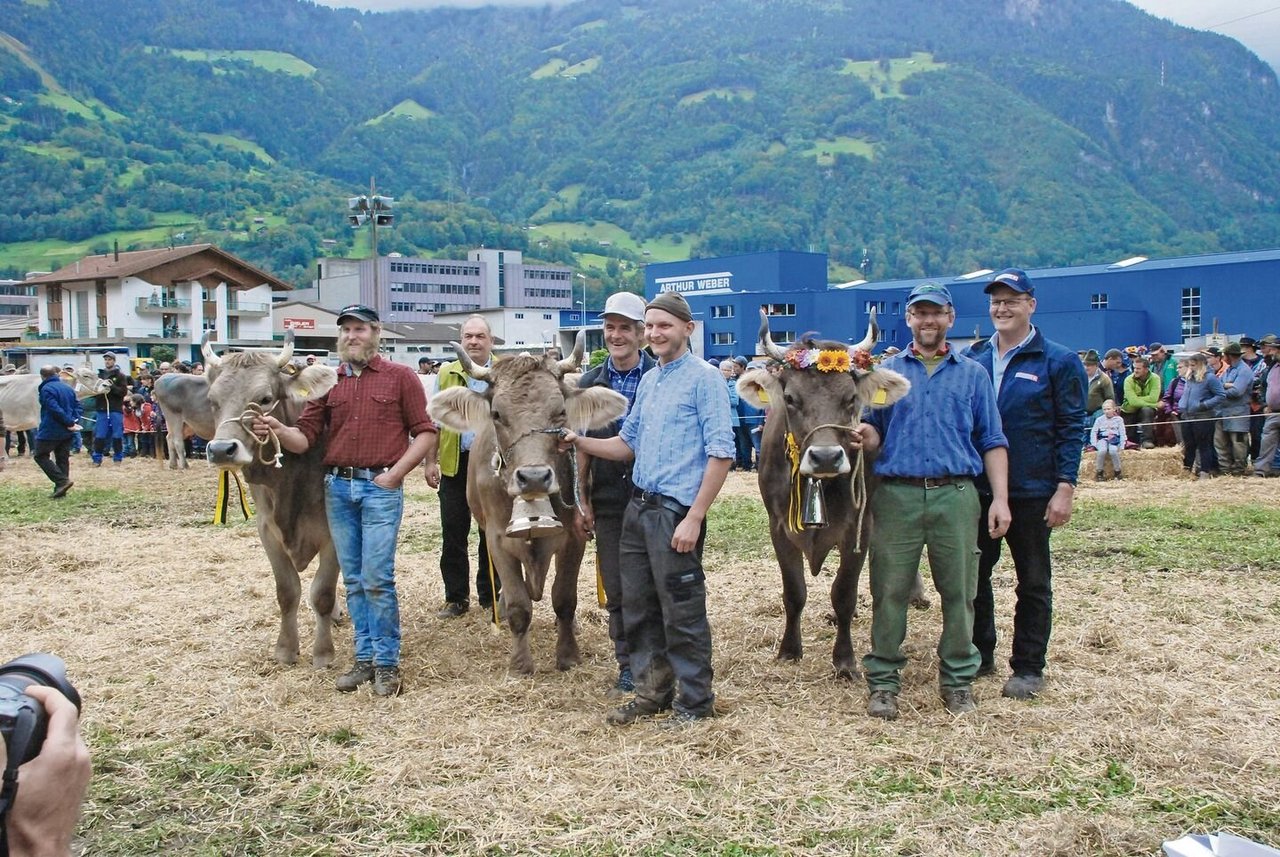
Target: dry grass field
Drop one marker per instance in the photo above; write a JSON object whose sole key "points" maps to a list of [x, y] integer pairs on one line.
{"points": [[1161, 715]]}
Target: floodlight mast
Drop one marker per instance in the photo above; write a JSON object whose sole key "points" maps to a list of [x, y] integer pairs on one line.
{"points": [[376, 211]]}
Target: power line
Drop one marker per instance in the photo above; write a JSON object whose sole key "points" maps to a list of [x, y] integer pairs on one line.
{"points": [[1243, 18]]}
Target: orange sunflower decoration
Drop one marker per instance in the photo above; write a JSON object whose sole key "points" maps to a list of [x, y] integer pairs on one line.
{"points": [[833, 361]]}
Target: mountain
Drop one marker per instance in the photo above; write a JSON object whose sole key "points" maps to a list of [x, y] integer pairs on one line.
{"points": [[921, 137]]}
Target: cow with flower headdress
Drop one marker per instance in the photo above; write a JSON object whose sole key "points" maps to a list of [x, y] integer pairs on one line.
{"points": [[813, 476]]}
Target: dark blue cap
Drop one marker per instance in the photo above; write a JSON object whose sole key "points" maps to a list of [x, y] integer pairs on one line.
{"points": [[932, 293], [358, 311], [1014, 278]]}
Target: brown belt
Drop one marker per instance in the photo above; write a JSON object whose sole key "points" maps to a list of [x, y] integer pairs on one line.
{"points": [[927, 481]]}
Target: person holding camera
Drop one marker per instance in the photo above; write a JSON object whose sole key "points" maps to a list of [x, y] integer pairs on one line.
{"points": [[42, 792]]}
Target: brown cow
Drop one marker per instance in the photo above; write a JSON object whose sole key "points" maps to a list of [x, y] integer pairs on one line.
{"points": [[515, 463], [289, 496], [814, 413]]}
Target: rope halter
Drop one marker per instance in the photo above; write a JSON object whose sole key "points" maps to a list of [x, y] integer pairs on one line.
{"points": [[252, 411]]}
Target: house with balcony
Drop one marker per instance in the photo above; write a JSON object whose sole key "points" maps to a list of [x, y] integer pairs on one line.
{"points": [[143, 298]]}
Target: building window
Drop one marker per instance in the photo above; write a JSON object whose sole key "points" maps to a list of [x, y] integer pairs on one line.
{"points": [[722, 311], [783, 337], [723, 338], [546, 316], [519, 315], [778, 309], [879, 306], [1098, 301], [1190, 312], [55, 294]]}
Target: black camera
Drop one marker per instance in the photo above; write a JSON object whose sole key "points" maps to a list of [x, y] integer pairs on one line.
{"points": [[23, 720]]}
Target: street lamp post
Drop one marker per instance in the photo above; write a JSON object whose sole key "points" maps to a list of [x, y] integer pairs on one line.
{"points": [[583, 302], [376, 211]]}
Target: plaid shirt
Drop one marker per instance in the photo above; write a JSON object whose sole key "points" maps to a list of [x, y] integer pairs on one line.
{"points": [[367, 418], [625, 383]]}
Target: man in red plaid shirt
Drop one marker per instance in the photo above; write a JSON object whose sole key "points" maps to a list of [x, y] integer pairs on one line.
{"points": [[375, 426]]}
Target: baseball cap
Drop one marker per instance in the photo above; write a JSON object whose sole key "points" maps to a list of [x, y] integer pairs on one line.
{"points": [[359, 312], [107, 354], [1014, 278], [931, 293], [626, 304], [1154, 347], [673, 303]]}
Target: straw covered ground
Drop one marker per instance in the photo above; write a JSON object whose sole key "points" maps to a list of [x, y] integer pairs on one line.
{"points": [[1161, 715]]}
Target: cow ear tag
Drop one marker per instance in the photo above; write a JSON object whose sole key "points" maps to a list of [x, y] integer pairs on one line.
{"points": [[290, 370], [763, 396], [880, 397]]}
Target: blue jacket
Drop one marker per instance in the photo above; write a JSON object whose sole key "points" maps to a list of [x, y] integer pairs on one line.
{"points": [[1041, 401], [1235, 407], [1202, 398], [58, 409]]}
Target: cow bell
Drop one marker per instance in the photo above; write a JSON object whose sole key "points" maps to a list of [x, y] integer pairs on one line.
{"points": [[813, 512], [533, 519]]}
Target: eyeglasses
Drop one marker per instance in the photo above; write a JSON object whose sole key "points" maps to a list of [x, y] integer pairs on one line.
{"points": [[1002, 303]]}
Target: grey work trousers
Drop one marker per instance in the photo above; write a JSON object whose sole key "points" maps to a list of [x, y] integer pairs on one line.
{"points": [[1265, 462], [664, 609]]}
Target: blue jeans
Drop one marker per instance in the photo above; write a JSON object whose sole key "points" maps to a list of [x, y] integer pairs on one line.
{"points": [[364, 521], [108, 427]]}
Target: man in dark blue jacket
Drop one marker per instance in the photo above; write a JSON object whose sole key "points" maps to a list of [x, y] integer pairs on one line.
{"points": [[57, 428], [1040, 390]]}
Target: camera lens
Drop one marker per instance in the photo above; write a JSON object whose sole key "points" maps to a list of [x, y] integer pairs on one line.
{"points": [[23, 720]]}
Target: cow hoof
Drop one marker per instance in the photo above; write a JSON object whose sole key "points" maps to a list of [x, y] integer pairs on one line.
{"points": [[522, 667], [321, 661], [847, 673], [566, 664], [285, 656], [790, 655]]}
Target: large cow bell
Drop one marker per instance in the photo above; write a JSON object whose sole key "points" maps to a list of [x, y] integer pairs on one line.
{"points": [[533, 519], [813, 512]]}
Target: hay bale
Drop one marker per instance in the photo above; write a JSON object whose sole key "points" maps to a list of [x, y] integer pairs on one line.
{"points": [[1163, 462]]}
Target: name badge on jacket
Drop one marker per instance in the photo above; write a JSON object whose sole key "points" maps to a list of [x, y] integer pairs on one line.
{"points": [[1027, 376]]}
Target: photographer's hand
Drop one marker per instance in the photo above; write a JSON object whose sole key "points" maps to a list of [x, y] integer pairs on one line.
{"points": [[51, 786]]}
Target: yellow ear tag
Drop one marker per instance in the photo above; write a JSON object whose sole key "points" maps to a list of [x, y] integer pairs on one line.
{"points": [[880, 397], [304, 392], [763, 396]]}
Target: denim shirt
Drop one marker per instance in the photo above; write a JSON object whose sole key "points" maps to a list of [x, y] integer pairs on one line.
{"points": [[680, 420], [944, 425]]}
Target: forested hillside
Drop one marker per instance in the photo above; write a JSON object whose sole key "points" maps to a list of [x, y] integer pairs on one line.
{"points": [[933, 136]]}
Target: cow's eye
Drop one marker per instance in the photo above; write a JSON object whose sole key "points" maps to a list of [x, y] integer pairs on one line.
{"points": [[265, 400], [789, 399], [497, 416]]}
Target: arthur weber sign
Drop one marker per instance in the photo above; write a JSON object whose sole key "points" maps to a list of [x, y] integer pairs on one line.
{"points": [[697, 284]]}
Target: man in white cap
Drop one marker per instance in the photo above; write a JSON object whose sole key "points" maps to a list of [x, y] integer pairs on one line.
{"points": [[606, 484]]}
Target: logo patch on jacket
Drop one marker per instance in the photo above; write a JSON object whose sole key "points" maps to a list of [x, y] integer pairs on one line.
{"points": [[1026, 375]]}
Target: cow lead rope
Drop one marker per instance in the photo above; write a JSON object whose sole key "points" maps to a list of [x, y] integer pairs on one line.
{"points": [[251, 411], [858, 482]]}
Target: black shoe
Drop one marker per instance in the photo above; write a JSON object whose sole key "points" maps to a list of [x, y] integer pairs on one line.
{"points": [[986, 668], [453, 609], [959, 700], [1022, 687], [360, 673], [632, 711], [386, 681], [883, 704], [61, 490]]}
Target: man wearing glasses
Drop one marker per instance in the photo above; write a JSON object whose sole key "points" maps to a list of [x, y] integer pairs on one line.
{"points": [[1040, 389], [936, 440]]}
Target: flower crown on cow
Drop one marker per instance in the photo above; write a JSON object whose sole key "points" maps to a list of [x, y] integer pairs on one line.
{"points": [[828, 359]]}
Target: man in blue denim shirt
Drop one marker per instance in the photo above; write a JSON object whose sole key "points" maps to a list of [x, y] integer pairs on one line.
{"points": [[1040, 389], [679, 434], [935, 441]]}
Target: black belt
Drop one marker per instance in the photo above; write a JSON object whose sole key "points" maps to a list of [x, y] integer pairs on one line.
{"points": [[357, 472], [652, 498], [927, 481]]}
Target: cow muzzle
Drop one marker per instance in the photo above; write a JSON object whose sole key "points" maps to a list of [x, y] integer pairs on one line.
{"points": [[824, 462], [227, 452]]}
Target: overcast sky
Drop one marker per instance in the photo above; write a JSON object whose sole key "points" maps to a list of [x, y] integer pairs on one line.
{"points": [[1255, 23]]}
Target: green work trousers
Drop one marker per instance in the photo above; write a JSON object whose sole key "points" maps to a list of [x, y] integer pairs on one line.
{"points": [[908, 518]]}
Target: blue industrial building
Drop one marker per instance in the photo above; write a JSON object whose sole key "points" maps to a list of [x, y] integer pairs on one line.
{"points": [[1130, 302]]}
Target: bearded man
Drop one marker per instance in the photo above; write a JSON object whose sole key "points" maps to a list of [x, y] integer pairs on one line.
{"points": [[376, 430]]}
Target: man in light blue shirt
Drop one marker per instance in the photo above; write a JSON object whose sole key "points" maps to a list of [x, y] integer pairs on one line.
{"points": [[680, 436]]}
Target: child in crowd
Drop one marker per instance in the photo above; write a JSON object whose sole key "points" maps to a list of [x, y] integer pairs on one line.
{"points": [[1107, 437], [132, 424]]}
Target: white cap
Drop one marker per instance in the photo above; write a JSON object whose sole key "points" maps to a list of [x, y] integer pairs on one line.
{"points": [[626, 304]]}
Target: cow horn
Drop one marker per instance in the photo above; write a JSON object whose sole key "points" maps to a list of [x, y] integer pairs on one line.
{"points": [[210, 358], [873, 333], [766, 341], [574, 360], [286, 354], [479, 373]]}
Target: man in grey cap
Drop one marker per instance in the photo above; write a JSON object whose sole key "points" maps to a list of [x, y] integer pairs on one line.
{"points": [[606, 488], [678, 433]]}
